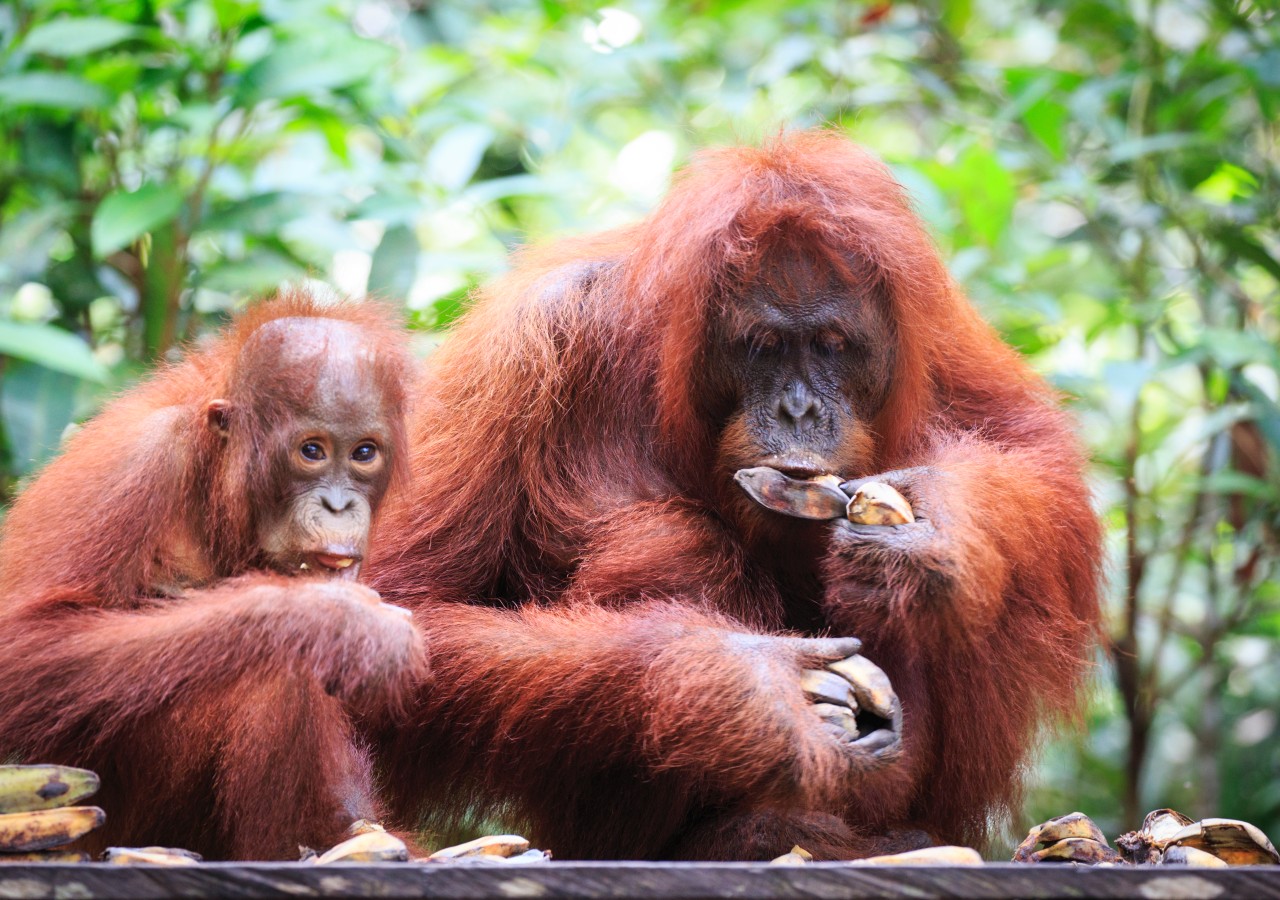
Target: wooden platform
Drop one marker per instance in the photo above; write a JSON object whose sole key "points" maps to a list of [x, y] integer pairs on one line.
{"points": [[659, 881]]}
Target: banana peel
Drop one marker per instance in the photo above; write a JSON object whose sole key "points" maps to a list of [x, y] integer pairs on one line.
{"points": [[821, 497], [1070, 838], [151, 856], [501, 845], [367, 847]]}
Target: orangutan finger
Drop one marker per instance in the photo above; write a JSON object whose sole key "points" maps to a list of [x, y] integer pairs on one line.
{"points": [[871, 686], [827, 687], [825, 650], [841, 717]]}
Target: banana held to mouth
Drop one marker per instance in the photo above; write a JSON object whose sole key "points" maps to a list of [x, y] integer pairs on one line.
{"points": [[873, 503]]}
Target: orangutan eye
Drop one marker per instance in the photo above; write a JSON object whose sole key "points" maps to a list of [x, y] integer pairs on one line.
{"points": [[365, 453], [829, 343], [763, 344], [312, 451]]}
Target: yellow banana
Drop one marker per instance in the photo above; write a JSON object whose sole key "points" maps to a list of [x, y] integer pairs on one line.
{"points": [[25, 788], [798, 856], [928, 856], [23, 832]]}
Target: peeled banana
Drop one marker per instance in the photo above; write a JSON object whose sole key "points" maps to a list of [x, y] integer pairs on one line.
{"points": [[27, 788], [798, 856], [927, 856]]}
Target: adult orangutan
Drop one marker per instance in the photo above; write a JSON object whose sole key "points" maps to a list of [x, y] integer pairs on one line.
{"points": [[631, 653], [178, 604]]}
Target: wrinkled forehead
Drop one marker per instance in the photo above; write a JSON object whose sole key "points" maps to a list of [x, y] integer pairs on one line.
{"points": [[794, 288], [323, 368]]}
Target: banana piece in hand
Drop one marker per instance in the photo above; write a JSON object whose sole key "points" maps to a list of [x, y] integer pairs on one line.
{"points": [[876, 503]]}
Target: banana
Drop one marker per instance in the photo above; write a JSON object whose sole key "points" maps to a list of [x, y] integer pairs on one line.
{"points": [[493, 845], [47, 856], [1178, 855], [797, 856], [39, 830], [876, 503], [928, 856], [370, 846], [816, 498], [27, 788], [150, 856], [1070, 838]]}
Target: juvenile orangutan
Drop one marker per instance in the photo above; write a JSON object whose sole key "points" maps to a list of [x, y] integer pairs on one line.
{"points": [[179, 599]]}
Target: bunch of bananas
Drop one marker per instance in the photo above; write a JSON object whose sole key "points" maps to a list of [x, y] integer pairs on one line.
{"points": [[38, 815]]}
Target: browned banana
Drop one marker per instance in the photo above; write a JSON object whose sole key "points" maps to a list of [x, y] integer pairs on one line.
{"points": [[505, 845], [45, 856], [26, 831], [815, 498], [876, 503]]}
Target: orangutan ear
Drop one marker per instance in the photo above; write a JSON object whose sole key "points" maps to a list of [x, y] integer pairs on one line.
{"points": [[217, 416]]}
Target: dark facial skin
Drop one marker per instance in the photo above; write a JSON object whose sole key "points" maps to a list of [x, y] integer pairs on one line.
{"points": [[331, 466], [336, 474], [806, 363]]}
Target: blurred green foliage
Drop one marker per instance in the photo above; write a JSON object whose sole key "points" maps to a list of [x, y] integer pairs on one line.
{"points": [[1102, 176]]}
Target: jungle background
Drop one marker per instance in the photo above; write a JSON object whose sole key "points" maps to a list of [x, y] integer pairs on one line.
{"points": [[1103, 177]]}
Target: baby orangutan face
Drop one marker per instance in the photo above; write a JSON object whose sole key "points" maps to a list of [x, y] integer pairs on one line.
{"points": [[320, 424]]}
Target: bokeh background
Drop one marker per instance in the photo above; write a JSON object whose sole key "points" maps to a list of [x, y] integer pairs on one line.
{"points": [[1102, 175]]}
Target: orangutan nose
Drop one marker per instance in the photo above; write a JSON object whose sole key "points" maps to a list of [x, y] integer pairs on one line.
{"points": [[798, 406], [337, 500]]}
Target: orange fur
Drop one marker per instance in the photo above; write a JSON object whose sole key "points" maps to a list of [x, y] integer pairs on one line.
{"points": [[220, 705], [603, 603]]}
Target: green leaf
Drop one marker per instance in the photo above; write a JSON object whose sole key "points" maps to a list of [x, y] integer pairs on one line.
{"points": [[1046, 120], [1135, 148], [1251, 250], [124, 217], [36, 406], [55, 90], [67, 38], [264, 214], [260, 271], [956, 15], [50, 347], [987, 193], [304, 66], [395, 263], [1227, 183], [457, 153]]}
